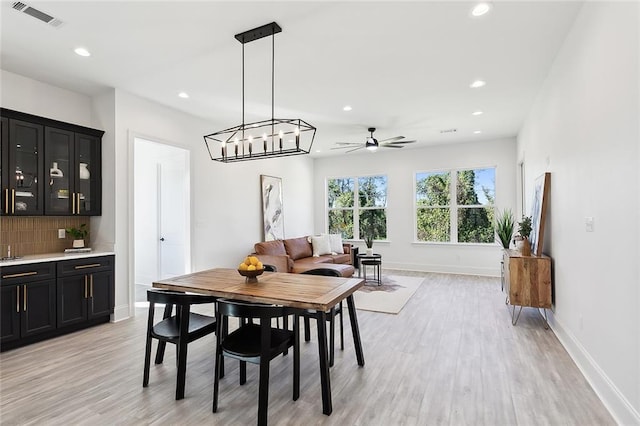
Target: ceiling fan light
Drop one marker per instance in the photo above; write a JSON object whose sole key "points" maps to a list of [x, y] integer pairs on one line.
{"points": [[371, 144]]}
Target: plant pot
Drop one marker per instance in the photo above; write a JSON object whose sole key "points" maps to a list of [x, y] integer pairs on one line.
{"points": [[526, 247], [78, 243], [369, 252]]}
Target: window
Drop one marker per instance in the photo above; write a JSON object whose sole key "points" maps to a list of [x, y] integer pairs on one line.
{"points": [[357, 206], [462, 212]]}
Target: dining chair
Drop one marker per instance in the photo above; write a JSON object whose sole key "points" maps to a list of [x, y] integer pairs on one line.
{"points": [[256, 344], [331, 315], [180, 329]]}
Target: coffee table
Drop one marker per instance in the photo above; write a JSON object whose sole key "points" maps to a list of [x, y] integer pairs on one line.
{"points": [[374, 260]]}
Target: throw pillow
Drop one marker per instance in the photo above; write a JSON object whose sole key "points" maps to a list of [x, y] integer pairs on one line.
{"points": [[335, 242], [320, 245]]}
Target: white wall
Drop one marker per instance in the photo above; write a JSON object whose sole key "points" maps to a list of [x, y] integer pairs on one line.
{"points": [[584, 129], [401, 252]]}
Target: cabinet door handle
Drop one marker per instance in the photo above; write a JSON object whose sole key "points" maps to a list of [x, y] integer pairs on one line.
{"points": [[85, 286], [24, 305], [78, 203], [18, 299], [13, 201], [91, 281], [92, 265], [73, 203], [22, 274], [6, 201]]}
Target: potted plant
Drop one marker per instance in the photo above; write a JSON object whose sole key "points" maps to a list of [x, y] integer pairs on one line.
{"points": [[368, 240], [505, 224], [78, 234], [524, 230]]}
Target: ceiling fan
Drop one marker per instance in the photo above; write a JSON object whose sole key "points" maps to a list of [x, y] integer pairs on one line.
{"points": [[372, 144]]}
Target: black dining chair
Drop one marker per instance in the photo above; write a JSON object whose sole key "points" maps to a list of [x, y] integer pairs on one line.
{"points": [[180, 329], [331, 315], [269, 268], [256, 344]]}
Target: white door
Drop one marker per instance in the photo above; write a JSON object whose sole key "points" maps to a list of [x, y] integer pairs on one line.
{"points": [[172, 208]]}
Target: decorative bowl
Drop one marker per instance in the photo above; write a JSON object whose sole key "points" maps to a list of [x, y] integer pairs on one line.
{"points": [[251, 276]]}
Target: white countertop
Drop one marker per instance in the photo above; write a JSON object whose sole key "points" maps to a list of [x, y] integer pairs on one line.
{"points": [[52, 257]]}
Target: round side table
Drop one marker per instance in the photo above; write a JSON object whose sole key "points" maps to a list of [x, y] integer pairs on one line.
{"points": [[374, 260]]}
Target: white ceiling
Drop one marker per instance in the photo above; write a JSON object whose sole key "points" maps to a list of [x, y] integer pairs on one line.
{"points": [[405, 68]]}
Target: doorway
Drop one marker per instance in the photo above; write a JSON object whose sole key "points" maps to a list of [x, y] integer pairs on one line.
{"points": [[161, 213]]}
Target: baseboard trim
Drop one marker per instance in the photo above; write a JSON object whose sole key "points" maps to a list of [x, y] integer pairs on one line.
{"points": [[443, 269], [618, 405], [120, 313]]}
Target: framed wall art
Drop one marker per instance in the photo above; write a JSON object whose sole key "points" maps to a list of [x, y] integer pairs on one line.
{"points": [[539, 212], [272, 203]]}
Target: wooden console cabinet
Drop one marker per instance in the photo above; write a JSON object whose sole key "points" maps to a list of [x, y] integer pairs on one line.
{"points": [[528, 282]]}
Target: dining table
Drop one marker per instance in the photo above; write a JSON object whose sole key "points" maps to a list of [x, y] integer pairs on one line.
{"points": [[299, 291]]}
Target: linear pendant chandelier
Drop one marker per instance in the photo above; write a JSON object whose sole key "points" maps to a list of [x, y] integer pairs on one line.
{"points": [[277, 137]]}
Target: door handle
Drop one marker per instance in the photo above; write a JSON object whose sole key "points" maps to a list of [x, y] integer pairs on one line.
{"points": [[162, 239]]}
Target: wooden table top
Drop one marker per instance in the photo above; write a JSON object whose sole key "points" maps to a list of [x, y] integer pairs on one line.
{"points": [[293, 290]]}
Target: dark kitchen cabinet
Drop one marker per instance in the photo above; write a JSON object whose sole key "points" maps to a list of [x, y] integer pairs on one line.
{"points": [[73, 178], [43, 300], [28, 301], [49, 167], [22, 147], [85, 289]]}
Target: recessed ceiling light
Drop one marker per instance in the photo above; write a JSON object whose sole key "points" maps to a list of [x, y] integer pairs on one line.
{"points": [[477, 132], [183, 95], [477, 113], [317, 150], [82, 51], [477, 83], [347, 108], [481, 9]]}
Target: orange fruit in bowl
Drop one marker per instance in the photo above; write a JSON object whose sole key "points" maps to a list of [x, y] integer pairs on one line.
{"points": [[243, 267], [259, 265], [254, 260], [251, 268]]}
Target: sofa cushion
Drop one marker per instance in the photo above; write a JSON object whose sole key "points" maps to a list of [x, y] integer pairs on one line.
{"points": [[335, 242], [320, 245], [341, 258], [314, 260], [297, 248], [275, 247], [282, 263]]}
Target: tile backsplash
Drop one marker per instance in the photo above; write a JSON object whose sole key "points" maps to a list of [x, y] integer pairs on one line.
{"points": [[37, 235]]}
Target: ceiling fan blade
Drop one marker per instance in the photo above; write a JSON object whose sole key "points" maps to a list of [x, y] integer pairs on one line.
{"points": [[348, 143], [392, 146], [355, 149], [397, 142], [397, 138]]}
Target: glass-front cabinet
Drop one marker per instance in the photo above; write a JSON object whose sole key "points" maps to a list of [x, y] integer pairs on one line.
{"points": [[22, 144], [73, 181], [49, 167]]}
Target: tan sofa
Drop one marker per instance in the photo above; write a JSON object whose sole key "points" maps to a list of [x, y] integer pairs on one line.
{"points": [[295, 255]]}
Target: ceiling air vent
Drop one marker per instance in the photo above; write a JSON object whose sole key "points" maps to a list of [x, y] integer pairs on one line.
{"points": [[38, 14]]}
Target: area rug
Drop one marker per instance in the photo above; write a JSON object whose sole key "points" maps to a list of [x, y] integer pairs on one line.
{"points": [[390, 297]]}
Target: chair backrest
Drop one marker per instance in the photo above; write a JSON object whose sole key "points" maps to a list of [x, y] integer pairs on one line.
{"points": [[170, 297], [239, 309], [327, 272]]}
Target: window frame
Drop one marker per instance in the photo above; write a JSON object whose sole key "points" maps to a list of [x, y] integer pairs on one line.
{"points": [[453, 205], [356, 205]]}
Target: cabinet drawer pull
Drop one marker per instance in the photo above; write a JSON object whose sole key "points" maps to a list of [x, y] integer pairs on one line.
{"points": [[22, 274], [25, 298], [92, 265]]}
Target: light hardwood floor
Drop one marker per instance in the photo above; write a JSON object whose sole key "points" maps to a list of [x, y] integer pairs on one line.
{"points": [[450, 357]]}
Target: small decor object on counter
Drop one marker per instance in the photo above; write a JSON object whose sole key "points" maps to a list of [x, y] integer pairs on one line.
{"points": [[251, 268], [78, 234], [55, 171], [84, 171], [524, 230]]}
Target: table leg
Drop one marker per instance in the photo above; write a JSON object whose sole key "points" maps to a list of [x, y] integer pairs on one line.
{"points": [[357, 343], [325, 381]]}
